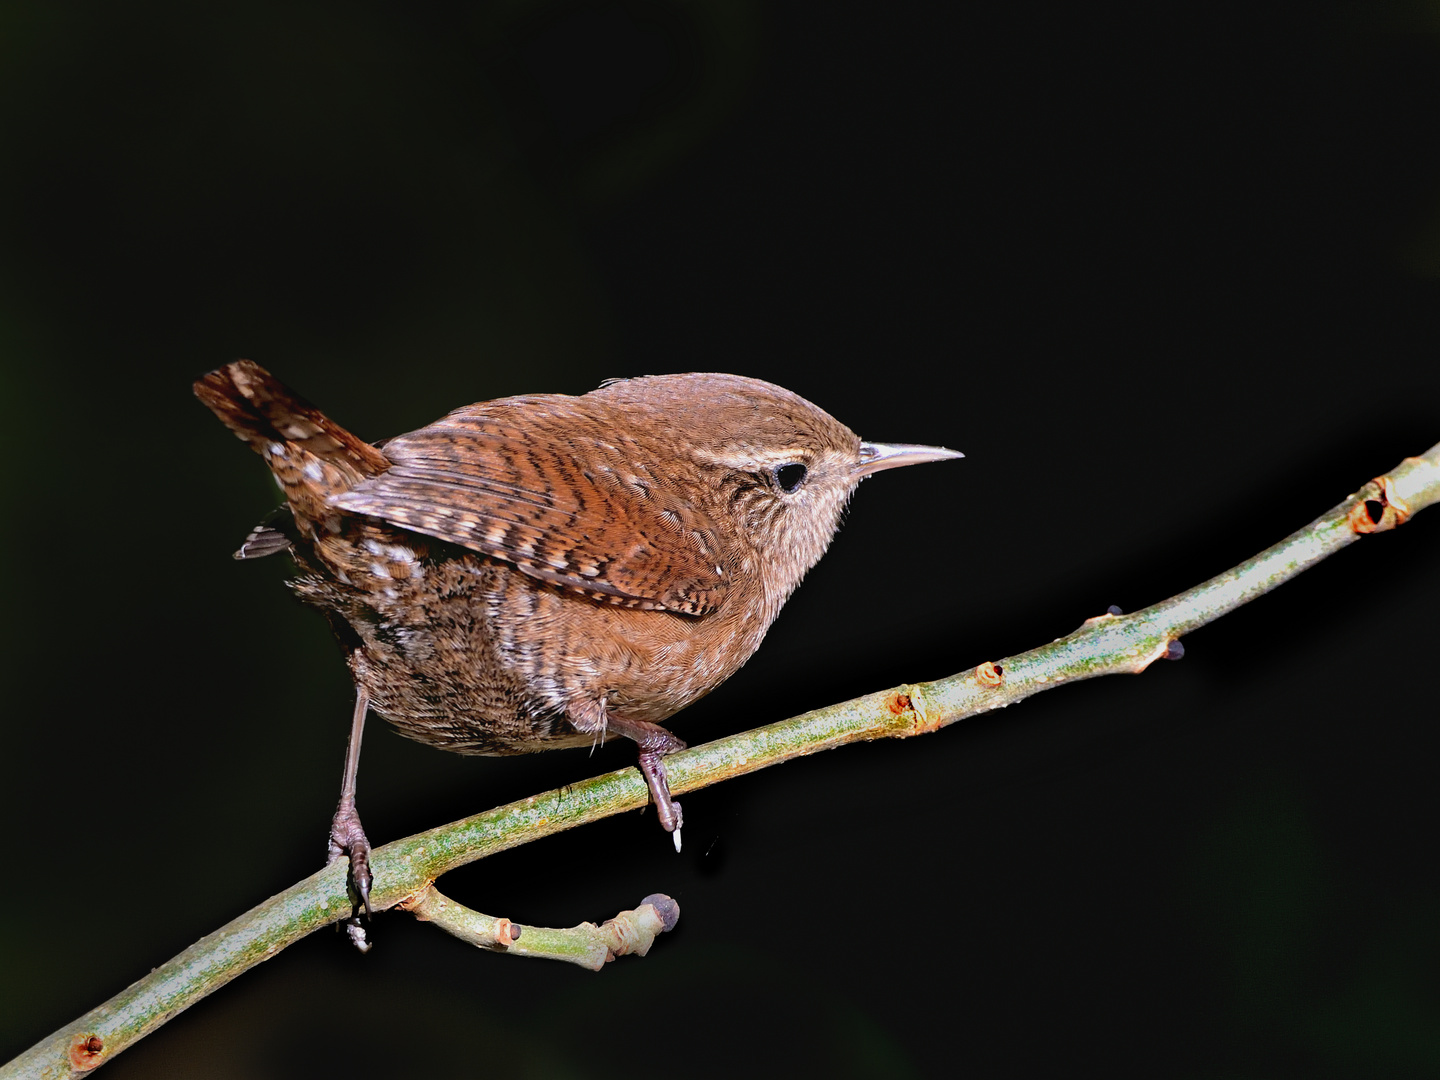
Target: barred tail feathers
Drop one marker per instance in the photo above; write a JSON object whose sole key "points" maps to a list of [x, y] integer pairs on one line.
{"points": [[260, 409], [311, 456]]}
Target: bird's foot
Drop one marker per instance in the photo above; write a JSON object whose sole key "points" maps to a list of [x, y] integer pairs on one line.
{"points": [[654, 743], [666, 809], [347, 838]]}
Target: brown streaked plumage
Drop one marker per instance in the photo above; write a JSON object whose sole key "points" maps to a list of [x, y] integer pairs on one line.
{"points": [[549, 570]]}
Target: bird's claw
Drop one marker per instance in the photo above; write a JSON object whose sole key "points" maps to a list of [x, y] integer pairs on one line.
{"points": [[347, 837], [666, 808]]}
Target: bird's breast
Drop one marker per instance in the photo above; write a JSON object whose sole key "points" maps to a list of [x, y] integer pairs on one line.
{"points": [[644, 665]]}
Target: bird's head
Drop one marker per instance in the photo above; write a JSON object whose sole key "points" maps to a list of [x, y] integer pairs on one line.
{"points": [[775, 469]]}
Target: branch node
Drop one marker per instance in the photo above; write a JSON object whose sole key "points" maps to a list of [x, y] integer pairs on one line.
{"points": [[990, 674], [86, 1050], [1379, 508], [923, 719], [416, 901], [1161, 651]]}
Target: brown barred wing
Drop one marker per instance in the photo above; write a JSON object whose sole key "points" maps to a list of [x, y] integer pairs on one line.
{"points": [[545, 483]]}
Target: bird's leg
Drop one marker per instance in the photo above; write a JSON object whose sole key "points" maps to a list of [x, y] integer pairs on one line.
{"points": [[654, 743], [347, 837]]}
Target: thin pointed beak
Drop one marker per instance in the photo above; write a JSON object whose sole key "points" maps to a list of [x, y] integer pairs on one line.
{"points": [[875, 456]]}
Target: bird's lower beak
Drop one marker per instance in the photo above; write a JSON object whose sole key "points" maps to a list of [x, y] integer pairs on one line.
{"points": [[875, 457]]}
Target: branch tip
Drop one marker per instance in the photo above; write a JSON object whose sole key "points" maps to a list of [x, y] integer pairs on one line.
{"points": [[666, 909]]}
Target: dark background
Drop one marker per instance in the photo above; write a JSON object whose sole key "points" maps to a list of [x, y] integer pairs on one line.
{"points": [[1166, 273]]}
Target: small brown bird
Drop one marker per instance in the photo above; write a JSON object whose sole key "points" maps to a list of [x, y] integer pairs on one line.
{"points": [[547, 570]]}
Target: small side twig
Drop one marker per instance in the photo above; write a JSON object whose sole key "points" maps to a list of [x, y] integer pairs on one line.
{"points": [[588, 945], [1111, 643]]}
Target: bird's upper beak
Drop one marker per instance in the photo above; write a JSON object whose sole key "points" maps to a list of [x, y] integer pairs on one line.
{"points": [[875, 456]]}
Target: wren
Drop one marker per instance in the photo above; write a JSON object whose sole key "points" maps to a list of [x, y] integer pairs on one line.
{"points": [[548, 570]]}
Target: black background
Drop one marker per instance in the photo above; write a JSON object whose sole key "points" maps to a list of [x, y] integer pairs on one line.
{"points": [[1166, 273]]}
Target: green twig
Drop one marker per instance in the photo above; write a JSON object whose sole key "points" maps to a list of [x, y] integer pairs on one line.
{"points": [[588, 945], [406, 869]]}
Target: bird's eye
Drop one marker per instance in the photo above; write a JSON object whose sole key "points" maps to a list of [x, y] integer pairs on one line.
{"points": [[790, 477]]}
